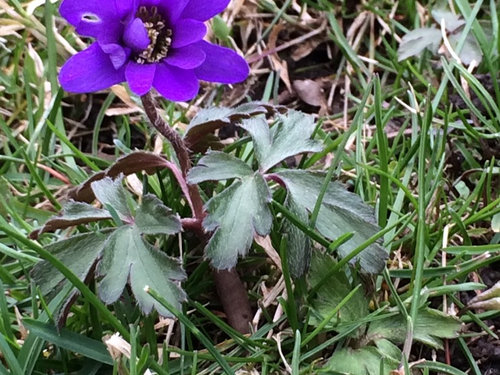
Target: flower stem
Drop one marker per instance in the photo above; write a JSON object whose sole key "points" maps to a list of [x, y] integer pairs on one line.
{"points": [[232, 293], [180, 149], [164, 129], [234, 298]]}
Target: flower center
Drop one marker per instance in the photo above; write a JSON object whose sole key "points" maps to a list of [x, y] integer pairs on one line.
{"points": [[159, 35]]}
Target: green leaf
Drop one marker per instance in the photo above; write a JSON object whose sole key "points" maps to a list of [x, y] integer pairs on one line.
{"points": [[74, 213], [123, 254], [333, 292], [218, 166], [471, 51], [298, 244], [388, 349], [128, 257], [452, 21], [431, 326], [289, 137], [362, 361], [220, 28], [71, 341], [236, 215], [112, 193], [208, 120], [78, 253], [153, 217], [495, 223], [341, 212], [413, 43]]}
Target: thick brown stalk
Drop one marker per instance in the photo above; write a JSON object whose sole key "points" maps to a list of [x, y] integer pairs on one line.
{"points": [[231, 291], [234, 298]]}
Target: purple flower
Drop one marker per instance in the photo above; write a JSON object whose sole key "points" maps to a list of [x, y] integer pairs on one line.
{"points": [[148, 43]]}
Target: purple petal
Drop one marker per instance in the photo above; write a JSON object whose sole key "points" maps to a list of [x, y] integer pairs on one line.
{"points": [[136, 35], [203, 10], [149, 3], [140, 77], [90, 70], [74, 10], [116, 53], [221, 65], [126, 7], [93, 18], [175, 84], [188, 57], [186, 31], [171, 9]]}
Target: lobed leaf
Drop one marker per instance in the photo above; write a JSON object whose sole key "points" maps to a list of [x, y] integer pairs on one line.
{"points": [[471, 51], [152, 217], [289, 137], [128, 257], [341, 212], [361, 361], [333, 292], [413, 43], [208, 120], [236, 215], [298, 244], [452, 21], [78, 253], [112, 193], [74, 213], [430, 327], [121, 255], [216, 166]]}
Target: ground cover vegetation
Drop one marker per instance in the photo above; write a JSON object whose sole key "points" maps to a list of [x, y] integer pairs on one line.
{"points": [[329, 206]]}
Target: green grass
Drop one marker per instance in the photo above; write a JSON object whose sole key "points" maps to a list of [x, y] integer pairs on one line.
{"points": [[429, 168]]}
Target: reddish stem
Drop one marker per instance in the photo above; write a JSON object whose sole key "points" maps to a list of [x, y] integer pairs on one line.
{"points": [[276, 178], [179, 146], [149, 104], [232, 293]]}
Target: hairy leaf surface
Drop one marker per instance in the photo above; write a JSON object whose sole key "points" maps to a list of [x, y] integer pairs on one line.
{"points": [[153, 217], [128, 257], [452, 21], [78, 253], [74, 213], [363, 361], [211, 119], [289, 137], [298, 244], [341, 212], [471, 51], [431, 326], [122, 254], [413, 43], [236, 215], [111, 192], [333, 292], [218, 166]]}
